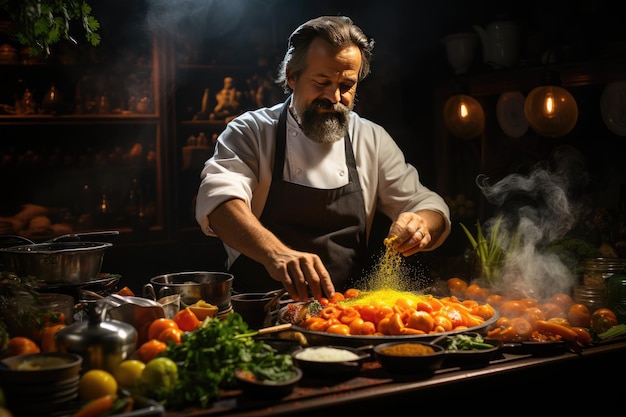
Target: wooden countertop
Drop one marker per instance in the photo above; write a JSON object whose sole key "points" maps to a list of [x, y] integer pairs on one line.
{"points": [[507, 376]]}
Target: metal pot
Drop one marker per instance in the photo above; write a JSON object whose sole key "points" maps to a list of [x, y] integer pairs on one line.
{"points": [[103, 344], [57, 262], [212, 287]]}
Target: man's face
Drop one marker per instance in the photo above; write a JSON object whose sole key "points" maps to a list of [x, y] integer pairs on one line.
{"points": [[324, 93]]}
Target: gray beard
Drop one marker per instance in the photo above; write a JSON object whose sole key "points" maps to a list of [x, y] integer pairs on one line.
{"points": [[325, 128]]}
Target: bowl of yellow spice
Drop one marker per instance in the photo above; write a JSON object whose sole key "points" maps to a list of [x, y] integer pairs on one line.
{"points": [[410, 357]]}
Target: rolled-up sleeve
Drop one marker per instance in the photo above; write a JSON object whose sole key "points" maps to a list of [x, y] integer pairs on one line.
{"points": [[239, 164]]}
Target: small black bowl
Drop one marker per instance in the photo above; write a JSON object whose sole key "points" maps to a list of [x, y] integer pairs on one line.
{"points": [[472, 358], [413, 360], [330, 361], [266, 389], [280, 345]]}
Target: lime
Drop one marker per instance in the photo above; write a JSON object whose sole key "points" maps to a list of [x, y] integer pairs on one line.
{"points": [[96, 383], [160, 373], [128, 373]]}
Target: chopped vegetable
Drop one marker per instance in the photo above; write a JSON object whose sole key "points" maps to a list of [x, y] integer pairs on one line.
{"points": [[467, 342], [615, 331]]}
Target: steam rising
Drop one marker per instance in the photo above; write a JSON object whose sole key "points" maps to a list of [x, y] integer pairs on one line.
{"points": [[212, 18], [541, 207]]}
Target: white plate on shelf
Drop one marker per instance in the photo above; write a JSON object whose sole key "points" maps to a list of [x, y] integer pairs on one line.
{"points": [[510, 114], [613, 107]]}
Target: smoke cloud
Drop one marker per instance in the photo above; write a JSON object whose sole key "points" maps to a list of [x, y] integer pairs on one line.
{"points": [[540, 207]]}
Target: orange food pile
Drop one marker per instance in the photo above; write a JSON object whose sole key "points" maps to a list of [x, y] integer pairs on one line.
{"points": [[393, 313], [530, 319]]}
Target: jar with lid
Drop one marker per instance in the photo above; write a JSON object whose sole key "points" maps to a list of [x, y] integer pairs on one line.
{"points": [[597, 270], [591, 296], [616, 294]]}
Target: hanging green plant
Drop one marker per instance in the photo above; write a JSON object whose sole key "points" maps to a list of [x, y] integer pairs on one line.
{"points": [[39, 24]]}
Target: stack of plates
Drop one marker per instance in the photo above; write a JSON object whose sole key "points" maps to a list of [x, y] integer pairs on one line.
{"points": [[40, 383]]}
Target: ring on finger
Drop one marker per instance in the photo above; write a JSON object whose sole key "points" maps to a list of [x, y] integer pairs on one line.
{"points": [[421, 233]]}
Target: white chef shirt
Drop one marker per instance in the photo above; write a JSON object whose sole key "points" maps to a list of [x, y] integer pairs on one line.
{"points": [[241, 167]]}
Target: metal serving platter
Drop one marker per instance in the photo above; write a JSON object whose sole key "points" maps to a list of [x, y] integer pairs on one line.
{"points": [[316, 338]]}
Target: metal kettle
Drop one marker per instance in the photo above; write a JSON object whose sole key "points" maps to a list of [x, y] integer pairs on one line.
{"points": [[103, 344]]}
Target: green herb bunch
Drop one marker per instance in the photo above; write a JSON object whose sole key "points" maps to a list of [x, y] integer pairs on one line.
{"points": [[43, 23], [208, 357]]}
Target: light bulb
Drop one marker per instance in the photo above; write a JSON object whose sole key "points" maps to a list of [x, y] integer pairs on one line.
{"points": [[464, 116], [551, 111]]}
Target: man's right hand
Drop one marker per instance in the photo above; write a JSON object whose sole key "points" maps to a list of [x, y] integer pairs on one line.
{"points": [[299, 271], [235, 224]]}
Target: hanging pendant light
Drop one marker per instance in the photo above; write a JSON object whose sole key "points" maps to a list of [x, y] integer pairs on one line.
{"points": [[550, 109], [463, 116]]}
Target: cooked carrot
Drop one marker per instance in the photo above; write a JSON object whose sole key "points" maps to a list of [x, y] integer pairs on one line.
{"points": [[96, 407], [558, 329]]}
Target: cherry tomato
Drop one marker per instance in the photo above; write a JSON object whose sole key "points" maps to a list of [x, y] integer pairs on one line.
{"points": [[340, 328], [552, 310], [171, 334], [457, 287], [336, 298], [512, 308], [19, 345], [562, 300], [351, 293], [476, 292], [421, 320], [159, 325], [495, 300], [443, 322], [579, 315], [368, 312], [602, 320], [150, 350]]}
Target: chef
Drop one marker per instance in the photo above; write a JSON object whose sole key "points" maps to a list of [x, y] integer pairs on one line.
{"points": [[292, 190]]}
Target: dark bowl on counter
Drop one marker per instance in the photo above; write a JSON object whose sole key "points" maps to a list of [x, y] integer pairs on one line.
{"points": [[470, 358], [254, 387], [410, 357], [330, 361], [280, 345]]}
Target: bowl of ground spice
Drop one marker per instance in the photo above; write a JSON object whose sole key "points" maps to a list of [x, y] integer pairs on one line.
{"points": [[410, 357]]}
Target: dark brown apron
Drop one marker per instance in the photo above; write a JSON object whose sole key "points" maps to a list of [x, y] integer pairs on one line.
{"points": [[329, 223]]}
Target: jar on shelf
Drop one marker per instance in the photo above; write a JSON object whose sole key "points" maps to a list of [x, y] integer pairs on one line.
{"points": [[593, 297], [616, 294], [597, 270]]}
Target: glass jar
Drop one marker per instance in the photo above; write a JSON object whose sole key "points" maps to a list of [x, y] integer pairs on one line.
{"points": [[616, 295], [597, 270], [591, 296]]}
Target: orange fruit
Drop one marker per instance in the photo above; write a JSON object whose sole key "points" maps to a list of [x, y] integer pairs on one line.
{"points": [[187, 320], [457, 287], [421, 320], [579, 315], [19, 345], [172, 334], [150, 350], [158, 325]]}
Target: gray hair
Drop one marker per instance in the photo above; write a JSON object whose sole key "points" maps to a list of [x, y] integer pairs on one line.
{"points": [[339, 31]]}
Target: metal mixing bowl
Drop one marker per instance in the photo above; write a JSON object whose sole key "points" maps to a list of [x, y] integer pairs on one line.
{"points": [[212, 287], [57, 262]]}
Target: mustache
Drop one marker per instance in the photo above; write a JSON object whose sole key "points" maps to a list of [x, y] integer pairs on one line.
{"points": [[324, 104]]}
